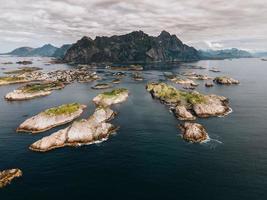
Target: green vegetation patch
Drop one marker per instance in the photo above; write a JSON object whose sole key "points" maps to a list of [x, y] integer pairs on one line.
{"points": [[37, 87], [11, 79], [170, 94], [63, 109], [114, 92], [23, 70]]}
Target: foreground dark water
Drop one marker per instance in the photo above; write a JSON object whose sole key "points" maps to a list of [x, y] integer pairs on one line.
{"points": [[146, 159]]}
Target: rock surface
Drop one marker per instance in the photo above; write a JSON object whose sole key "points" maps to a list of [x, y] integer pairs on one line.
{"points": [[202, 105], [102, 86], [51, 118], [212, 106], [80, 132], [193, 132], [224, 80], [113, 97], [8, 175], [183, 114]]}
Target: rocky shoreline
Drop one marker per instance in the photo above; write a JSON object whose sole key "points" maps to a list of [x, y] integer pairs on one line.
{"points": [[85, 131], [187, 106], [80, 132], [51, 118], [33, 90], [8, 175]]}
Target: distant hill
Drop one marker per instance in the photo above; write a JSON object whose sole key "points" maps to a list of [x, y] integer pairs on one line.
{"points": [[224, 54], [136, 46], [22, 51], [60, 52], [260, 54], [47, 50]]}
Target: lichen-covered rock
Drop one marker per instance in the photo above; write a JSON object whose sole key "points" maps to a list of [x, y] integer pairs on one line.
{"points": [[51, 118], [212, 106], [102, 86], [80, 132], [202, 105], [183, 114], [33, 90], [8, 175], [23, 70], [193, 132], [172, 96], [224, 80], [7, 80], [113, 97], [200, 77], [185, 82]]}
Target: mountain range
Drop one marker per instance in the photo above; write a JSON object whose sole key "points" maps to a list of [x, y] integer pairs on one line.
{"points": [[133, 47], [225, 53], [136, 46], [47, 50]]}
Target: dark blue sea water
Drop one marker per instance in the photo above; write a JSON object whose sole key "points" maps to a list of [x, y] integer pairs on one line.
{"points": [[146, 159]]}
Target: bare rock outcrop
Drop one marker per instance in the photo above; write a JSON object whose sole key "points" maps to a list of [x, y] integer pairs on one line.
{"points": [[80, 132], [112, 97], [34, 90], [193, 132], [183, 114], [224, 80], [8, 175], [51, 118]]}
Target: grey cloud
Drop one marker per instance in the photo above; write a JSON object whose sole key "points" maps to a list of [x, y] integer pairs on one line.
{"points": [[209, 23]]}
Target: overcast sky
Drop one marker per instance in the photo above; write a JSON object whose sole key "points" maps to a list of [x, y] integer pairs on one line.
{"points": [[213, 24]]}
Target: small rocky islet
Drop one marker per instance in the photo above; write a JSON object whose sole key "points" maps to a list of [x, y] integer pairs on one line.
{"points": [[34, 90], [225, 80], [51, 118], [6, 176]]}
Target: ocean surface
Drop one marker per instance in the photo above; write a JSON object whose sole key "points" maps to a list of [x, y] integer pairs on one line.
{"points": [[146, 158]]}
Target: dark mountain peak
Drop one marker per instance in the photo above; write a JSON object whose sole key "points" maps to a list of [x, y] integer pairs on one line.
{"points": [[48, 46], [85, 38], [164, 34], [136, 46]]}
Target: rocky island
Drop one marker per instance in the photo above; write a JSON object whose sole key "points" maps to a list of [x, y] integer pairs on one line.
{"points": [[193, 132], [225, 80], [199, 104], [8, 175], [80, 132], [51, 118], [34, 90], [7, 80], [113, 97], [188, 105], [101, 86], [23, 70]]}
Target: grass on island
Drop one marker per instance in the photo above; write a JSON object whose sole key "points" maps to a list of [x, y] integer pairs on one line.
{"points": [[11, 79], [23, 70], [37, 87], [170, 94], [114, 92], [63, 109]]}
